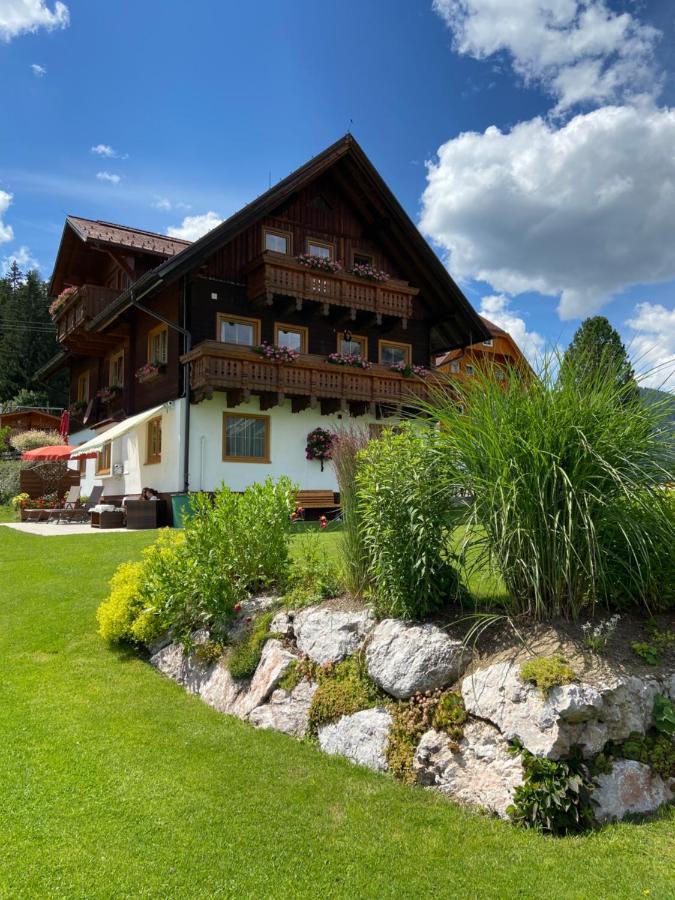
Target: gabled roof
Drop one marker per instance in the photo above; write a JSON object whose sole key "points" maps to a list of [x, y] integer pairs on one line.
{"points": [[95, 231], [454, 324], [495, 330]]}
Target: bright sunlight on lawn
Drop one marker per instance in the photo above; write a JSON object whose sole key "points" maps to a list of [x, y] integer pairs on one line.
{"points": [[118, 783]]}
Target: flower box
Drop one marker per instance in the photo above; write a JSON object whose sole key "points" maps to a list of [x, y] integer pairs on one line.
{"points": [[322, 263], [149, 372], [276, 354], [343, 359], [363, 270], [408, 371]]}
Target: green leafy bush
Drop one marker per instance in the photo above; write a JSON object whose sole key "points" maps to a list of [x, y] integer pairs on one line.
{"points": [[441, 710], [405, 522], [244, 656], [209, 652], [547, 672], [304, 669], [565, 478], [344, 688], [555, 797], [652, 749], [117, 614], [10, 474], [664, 715], [31, 440]]}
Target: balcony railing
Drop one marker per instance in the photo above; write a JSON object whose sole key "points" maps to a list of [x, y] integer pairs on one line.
{"points": [[275, 274], [82, 305], [223, 367]]}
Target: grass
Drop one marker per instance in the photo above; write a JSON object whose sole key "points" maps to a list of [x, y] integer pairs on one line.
{"points": [[116, 783]]}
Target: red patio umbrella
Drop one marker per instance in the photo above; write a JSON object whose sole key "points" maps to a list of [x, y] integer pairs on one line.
{"points": [[52, 454]]}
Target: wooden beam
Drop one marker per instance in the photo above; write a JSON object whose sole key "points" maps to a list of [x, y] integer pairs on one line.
{"points": [[298, 404], [123, 265], [237, 396], [269, 399]]}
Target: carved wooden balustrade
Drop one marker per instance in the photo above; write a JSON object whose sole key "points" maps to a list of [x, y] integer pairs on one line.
{"points": [[274, 274], [86, 302], [307, 381]]}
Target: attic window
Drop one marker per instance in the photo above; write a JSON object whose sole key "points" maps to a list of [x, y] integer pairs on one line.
{"points": [[488, 343], [320, 202]]}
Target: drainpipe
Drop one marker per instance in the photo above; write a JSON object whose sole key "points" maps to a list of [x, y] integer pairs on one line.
{"points": [[187, 346]]}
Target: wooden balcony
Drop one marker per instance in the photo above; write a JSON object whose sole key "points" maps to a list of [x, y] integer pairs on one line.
{"points": [[81, 306], [274, 274], [310, 381]]}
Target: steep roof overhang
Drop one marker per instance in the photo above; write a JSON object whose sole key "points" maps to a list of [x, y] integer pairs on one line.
{"points": [[453, 320]]}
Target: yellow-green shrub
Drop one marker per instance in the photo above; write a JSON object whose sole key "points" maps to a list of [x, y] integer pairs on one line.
{"points": [[117, 614]]}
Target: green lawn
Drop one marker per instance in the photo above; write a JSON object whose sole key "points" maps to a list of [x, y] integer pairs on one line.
{"points": [[116, 783]]}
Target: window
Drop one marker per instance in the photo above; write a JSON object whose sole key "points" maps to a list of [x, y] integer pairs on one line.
{"points": [[279, 241], [158, 341], [82, 465], [469, 370], [352, 344], [116, 369], [83, 387], [454, 367], [238, 330], [154, 441], [103, 460], [392, 353], [246, 438], [292, 336], [362, 259], [488, 343], [320, 248]]}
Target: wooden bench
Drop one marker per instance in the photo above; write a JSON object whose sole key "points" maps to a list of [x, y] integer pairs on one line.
{"points": [[316, 500]]}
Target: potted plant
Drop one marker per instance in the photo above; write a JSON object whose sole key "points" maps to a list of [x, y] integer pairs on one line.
{"points": [[408, 370], [319, 445], [108, 394], [150, 370], [370, 273], [276, 354], [349, 359], [322, 263], [78, 407], [60, 301]]}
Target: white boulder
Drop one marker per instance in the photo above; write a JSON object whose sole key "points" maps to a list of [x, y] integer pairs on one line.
{"points": [[273, 664], [585, 714], [327, 635], [361, 737], [479, 771], [219, 690], [630, 788], [286, 711], [185, 668], [404, 659]]}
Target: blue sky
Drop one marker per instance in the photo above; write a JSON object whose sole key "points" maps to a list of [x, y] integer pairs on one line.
{"points": [[547, 125]]}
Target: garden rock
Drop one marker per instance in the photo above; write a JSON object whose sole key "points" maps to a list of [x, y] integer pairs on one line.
{"points": [[286, 712], [249, 609], [274, 662], [406, 659], [328, 635], [219, 690], [183, 667], [361, 737], [282, 622], [585, 714], [478, 771], [630, 788]]}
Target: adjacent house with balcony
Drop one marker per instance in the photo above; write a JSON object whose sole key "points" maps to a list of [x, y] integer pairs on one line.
{"points": [[196, 364], [498, 353]]}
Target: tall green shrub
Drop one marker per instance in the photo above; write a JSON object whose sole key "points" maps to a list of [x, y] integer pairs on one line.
{"points": [[406, 519], [565, 477]]}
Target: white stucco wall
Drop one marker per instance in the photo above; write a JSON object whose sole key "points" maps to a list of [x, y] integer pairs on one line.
{"points": [[288, 438], [130, 451]]}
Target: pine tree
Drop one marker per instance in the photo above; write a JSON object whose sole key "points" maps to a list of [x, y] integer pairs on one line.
{"points": [[597, 350], [27, 336]]}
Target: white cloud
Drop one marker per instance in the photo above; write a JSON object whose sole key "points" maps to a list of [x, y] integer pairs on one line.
{"points": [[580, 212], [579, 51], [6, 231], [38, 71], [496, 309], [22, 257], [652, 346], [109, 176], [162, 203], [107, 151], [23, 16], [194, 227]]}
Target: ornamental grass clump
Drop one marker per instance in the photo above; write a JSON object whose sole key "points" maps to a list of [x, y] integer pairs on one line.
{"points": [[565, 478], [406, 520], [347, 444]]}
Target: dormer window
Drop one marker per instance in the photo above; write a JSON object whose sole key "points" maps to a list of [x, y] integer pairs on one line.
{"points": [[488, 343], [278, 241], [320, 248]]}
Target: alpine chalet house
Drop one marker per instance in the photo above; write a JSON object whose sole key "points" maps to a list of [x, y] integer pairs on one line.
{"points": [[499, 352], [197, 364]]}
